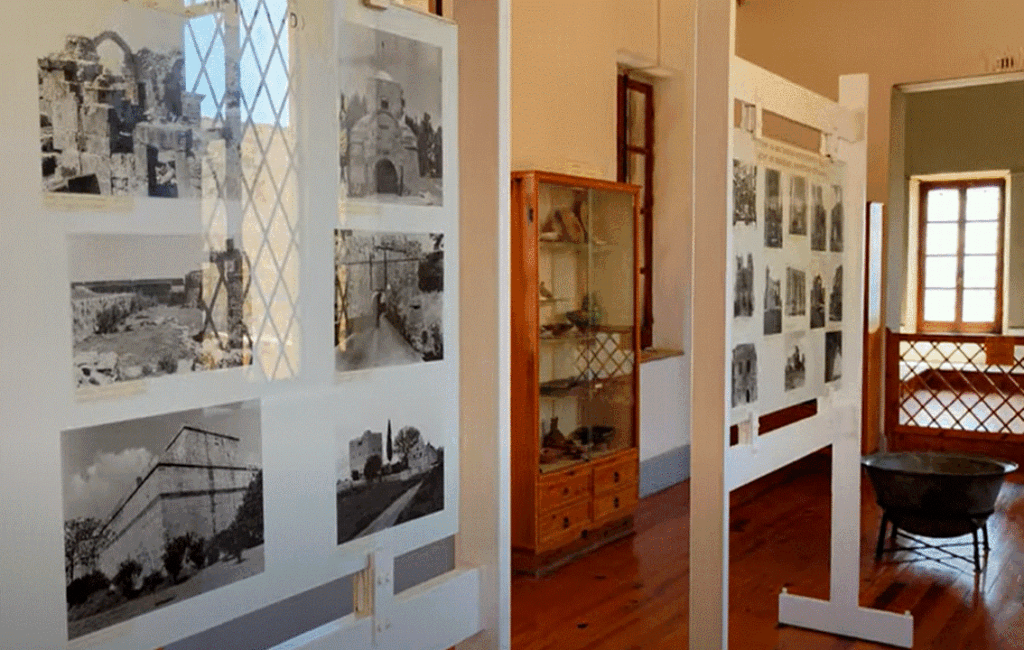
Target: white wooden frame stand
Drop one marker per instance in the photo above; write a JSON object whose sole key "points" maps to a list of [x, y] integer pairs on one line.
{"points": [[717, 468]]}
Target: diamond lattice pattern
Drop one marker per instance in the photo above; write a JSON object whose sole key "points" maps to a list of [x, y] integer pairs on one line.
{"points": [[951, 385], [237, 60]]}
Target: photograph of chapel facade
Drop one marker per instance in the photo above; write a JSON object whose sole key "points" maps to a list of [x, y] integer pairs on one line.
{"points": [[147, 525], [390, 115], [117, 121]]}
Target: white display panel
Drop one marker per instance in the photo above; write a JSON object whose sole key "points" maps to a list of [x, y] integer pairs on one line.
{"points": [[786, 276], [213, 330]]}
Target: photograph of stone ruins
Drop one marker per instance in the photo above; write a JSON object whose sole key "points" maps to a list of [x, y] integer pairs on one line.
{"points": [[118, 122], [388, 299], [163, 306], [158, 510]]}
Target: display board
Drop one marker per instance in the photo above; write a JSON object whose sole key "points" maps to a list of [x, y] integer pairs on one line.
{"points": [[230, 369], [787, 275], [797, 222]]}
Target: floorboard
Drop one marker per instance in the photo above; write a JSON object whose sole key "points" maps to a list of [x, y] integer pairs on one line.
{"points": [[633, 594]]}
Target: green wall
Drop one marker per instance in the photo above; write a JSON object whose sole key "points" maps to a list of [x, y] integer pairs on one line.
{"points": [[974, 129]]}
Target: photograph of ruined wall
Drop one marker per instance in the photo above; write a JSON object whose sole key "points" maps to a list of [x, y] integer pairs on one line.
{"points": [[795, 373], [817, 302], [390, 118], [151, 305], [796, 292], [819, 219], [835, 298], [744, 193], [772, 303], [772, 208], [158, 510], [116, 120], [387, 477], [833, 356], [743, 299], [744, 374], [797, 205], [835, 237], [388, 298]]}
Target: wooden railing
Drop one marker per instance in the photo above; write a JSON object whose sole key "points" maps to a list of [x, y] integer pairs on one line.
{"points": [[953, 392]]}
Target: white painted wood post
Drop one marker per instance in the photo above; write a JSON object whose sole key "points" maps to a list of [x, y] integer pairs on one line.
{"points": [[715, 22]]}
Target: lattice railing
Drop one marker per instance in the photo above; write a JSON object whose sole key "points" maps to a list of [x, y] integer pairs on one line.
{"points": [[955, 385]]}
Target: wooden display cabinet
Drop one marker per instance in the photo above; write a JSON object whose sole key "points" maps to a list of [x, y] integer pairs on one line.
{"points": [[575, 379]]}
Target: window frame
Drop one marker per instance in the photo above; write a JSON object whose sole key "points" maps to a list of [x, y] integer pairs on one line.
{"points": [[958, 326], [627, 83]]}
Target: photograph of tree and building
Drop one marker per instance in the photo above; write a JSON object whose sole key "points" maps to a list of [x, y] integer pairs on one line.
{"points": [[116, 118], [158, 510], [151, 305], [387, 477], [388, 298], [390, 117]]}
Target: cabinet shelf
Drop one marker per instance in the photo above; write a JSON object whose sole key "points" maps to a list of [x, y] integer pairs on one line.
{"points": [[558, 245], [568, 376]]}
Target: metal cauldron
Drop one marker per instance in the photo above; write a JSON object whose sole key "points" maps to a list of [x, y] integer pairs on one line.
{"points": [[936, 494]]}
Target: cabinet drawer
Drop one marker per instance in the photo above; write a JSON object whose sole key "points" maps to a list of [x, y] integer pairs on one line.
{"points": [[614, 475], [563, 526], [612, 504], [563, 489]]}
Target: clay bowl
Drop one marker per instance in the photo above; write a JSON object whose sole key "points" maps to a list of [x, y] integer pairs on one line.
{"points": [[555, 329]]}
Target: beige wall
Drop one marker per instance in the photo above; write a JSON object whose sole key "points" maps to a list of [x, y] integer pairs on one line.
{"points": [[565, 58], [812, 42]]}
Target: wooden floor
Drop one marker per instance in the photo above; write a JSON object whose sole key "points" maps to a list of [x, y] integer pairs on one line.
{"points": [[634, 593]]}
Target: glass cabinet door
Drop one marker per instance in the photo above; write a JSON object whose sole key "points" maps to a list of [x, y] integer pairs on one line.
{"points": [[587, 318]]}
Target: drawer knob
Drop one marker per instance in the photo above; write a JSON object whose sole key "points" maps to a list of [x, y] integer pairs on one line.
{"points": [[616, 502], [565, 522], [616, 477]]}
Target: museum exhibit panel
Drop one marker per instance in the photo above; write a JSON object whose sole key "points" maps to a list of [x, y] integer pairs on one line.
{"points": [[574, 370], [236, 369]]}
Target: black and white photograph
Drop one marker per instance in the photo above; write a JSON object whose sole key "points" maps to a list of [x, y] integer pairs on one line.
{"points": [[390, 470], [795, 374], [744, 374], [744, 193], [772, 208], [833, 356], [817, 301], [743, 298], [772, 302], [835, 297], [796, 292], [797, 205], [158, 510], [150, 305], [835, 236], [819, 219], [390, 116], [388, 298], [117, 118]]}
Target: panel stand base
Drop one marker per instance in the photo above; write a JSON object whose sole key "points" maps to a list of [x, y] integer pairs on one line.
{"points": [[856, 622]]}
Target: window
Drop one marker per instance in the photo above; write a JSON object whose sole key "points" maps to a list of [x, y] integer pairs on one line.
{"points": [[636, 165], [960, 256]]}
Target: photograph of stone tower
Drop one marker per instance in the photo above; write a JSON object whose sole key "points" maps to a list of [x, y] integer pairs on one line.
{"points": [[158, 510], [387, 477], [150, 305], [390, 114], [116, 120]]}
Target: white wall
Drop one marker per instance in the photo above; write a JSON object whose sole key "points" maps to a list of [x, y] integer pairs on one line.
{"points": [[565, 58]]}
